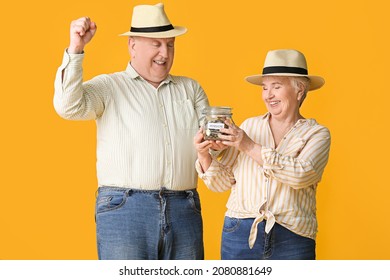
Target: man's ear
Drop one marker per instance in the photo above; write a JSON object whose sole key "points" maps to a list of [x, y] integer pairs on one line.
{"points": [[131, 43]]}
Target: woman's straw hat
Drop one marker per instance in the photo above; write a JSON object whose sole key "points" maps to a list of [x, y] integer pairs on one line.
{"points": [[286, 63]]}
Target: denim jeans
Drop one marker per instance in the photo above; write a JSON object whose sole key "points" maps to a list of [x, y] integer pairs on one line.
{"points": [[279, 244], [143, 225]]}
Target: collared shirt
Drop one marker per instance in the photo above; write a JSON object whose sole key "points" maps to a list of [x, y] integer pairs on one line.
{"points": [[283, 189], [144, 134]]}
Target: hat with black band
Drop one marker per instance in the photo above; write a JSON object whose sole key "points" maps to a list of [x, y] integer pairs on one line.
{"points": [[151, 21], [291, 63]]}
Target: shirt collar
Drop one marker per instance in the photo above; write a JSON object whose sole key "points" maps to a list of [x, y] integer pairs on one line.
{"points": [[266, 116], [300, 121], [134, 75]]}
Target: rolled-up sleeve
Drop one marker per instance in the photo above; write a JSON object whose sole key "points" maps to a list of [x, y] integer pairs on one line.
{"points": [[301, 171], [217, 178]]}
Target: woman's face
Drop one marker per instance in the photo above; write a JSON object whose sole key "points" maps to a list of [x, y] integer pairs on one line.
{"points": [[280, 97]]}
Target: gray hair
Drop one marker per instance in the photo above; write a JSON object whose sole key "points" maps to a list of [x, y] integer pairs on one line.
{"points": [[297, 82]]}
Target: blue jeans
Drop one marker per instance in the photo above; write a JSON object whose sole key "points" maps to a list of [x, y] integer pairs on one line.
{"points": [[279, 244], [148, 225]]}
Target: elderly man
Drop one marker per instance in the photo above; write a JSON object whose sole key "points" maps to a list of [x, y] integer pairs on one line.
{"points": [[147, 205]]}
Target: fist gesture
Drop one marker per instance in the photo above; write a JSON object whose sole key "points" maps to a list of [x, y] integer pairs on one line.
{"points": [[81, 32]]}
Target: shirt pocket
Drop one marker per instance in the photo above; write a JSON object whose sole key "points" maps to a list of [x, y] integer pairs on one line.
{"points": [[185, 114]]}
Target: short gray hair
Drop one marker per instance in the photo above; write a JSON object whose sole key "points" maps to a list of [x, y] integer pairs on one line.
{"points": [[297, 82]]}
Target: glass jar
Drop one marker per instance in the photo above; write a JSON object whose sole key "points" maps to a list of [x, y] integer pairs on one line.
{"points": [[214, 120]]}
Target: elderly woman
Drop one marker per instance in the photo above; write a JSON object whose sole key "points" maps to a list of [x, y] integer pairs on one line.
{"points": [[272, 165]]}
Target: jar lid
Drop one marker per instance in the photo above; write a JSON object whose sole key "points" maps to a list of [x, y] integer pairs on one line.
{"points": [[217, 110]]}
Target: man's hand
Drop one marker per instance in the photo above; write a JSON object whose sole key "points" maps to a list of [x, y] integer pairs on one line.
{"points": [[81, 32]]}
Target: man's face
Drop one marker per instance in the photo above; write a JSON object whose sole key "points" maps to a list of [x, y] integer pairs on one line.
{"points": [[152, 58]]}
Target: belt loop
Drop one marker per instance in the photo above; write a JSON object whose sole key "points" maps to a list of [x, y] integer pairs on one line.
{"points": [[190, 193], [129, 192], [161, 192]]}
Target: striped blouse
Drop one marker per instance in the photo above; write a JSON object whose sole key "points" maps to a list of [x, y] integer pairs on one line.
{"points": [[283, 190], [144, 134]]}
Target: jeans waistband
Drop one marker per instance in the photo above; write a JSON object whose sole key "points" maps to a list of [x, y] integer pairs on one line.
{"points": [[162, 191]]}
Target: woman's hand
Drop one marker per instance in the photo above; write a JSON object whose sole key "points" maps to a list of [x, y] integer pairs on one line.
{"points": [[236, 137], [202, 147]]}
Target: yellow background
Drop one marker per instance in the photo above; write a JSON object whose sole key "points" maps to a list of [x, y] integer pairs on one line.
{"points": [[48, 178]]}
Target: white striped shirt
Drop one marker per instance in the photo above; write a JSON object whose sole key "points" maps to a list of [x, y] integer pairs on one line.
{"points": [[283, 190], [144, 135]]}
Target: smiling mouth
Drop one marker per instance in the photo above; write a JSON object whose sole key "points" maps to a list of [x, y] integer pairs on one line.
{"points": [[274, 103], [159, 62]]}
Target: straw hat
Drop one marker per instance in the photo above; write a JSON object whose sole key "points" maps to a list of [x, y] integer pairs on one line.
{"points": [[151, 21], [286, 63]]}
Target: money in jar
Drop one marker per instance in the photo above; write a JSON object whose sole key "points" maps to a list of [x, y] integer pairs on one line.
{"points": [[214, 120]]}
